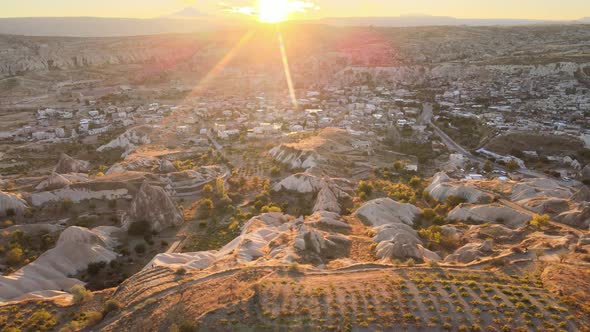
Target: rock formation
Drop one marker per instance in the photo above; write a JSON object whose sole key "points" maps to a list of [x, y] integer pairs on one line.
{"points": [[442, 187], [579, 216], [74, 250], [166, 166], [529, 189], [322, 244], [391, 221], [385, 211], [11, 204], [54, 181], [470, 252], [134, 164], [586, 173], [490, 213], [130, 140], [67, 164], [274, 236], [153, 205], [329, 191]]}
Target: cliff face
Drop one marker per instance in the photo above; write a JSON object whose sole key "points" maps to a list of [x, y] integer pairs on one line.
{"points": [[19, 55]]}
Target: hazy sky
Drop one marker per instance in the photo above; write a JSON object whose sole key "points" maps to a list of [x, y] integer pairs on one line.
{"points": [[532, 9]]}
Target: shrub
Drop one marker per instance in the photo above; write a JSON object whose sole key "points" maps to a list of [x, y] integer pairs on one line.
{"points": [[539, 221], [433, 263], [184, 326], [14, 256], [512, 165], [295, 267], [140, 248], [47, 241], [205, 208], [415, 182], [180, 271], [141, 227], [207, 190], [94, 268], [275, 171], [66, 204], [452, 201], [365, 187], [270, 208], [42, 320], [81, 294], [111, 306]]}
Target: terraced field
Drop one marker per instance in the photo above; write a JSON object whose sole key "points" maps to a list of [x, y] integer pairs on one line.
{"points": [[406, 299], [361, 298]]}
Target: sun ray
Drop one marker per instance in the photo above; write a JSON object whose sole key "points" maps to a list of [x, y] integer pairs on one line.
{"points": [[223, 62], [287, 69]]}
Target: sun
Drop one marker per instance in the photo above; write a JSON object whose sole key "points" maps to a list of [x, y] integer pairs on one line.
{"points": [[273, 11]]}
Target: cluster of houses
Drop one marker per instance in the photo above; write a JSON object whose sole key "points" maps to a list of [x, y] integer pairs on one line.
{"points": [[513, 102]]}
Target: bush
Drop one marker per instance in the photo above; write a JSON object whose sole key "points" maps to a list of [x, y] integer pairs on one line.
{"points": [[452, 201], [295, 267], [433, 264], [207, 190], [205, 208], [81, 294], [539, 221], [94, 268], [512, 166], [415, 182], [47, 242], [270, 208], [180, 271], [141, 227], [140, 248], [185, 326], [365, 187], [111, 306], [275, 171], [42, 320], [66, 204], [14, 256]]}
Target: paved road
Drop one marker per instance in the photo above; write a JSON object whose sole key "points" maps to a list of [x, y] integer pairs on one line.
{"points": [[454, 146]]}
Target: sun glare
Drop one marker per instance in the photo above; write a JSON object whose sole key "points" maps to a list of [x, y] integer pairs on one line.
{"points": [[273, 11]]}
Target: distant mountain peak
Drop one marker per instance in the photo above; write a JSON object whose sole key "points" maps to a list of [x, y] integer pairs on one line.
{"points": [[188, 12]]}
